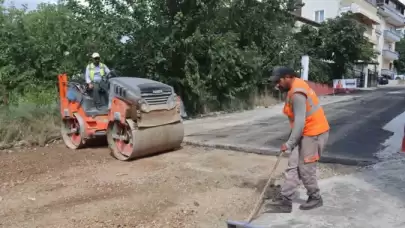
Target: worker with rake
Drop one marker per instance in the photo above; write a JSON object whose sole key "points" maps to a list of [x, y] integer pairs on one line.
{"points": [[309, 134]]}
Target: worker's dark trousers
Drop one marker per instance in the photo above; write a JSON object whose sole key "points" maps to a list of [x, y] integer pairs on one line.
{"points": [[96, 93], [299, 170]]}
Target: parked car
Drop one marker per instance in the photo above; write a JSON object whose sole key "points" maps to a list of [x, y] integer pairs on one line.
{"points": [[383, 80], [399, 77]]}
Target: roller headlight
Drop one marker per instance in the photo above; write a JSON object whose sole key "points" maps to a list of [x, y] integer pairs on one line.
{"points": [[143, 105], [171, 102]]}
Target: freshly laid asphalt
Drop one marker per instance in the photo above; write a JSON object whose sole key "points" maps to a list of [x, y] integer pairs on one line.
{"points": [[356, 129]]}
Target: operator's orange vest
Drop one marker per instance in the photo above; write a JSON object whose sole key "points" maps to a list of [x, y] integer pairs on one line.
{"points": [[315, 121]]}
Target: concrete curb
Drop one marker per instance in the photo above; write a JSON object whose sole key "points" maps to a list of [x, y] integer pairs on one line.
{"points": [[240, 148], [347, 160], [274, 151]]}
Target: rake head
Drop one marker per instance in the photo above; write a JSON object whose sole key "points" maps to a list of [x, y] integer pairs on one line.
{"points": [[240, 224]]}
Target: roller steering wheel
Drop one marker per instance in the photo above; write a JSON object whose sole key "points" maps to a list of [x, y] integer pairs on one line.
{"points": [[111, 74], [105, 85], [106, 77]]}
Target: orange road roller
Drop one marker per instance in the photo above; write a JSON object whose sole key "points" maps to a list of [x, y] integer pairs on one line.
{"points": [[138, 116]]}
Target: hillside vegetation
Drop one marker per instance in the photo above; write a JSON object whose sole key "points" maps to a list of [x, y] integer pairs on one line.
{"points": [[215, 53]]}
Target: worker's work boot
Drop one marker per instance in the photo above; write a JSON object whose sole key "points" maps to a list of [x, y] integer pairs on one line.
{"points": [[312, 203], [279, 196], [273, 192], [282, 205]]}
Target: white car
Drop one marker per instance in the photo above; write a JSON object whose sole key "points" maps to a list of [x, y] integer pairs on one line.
{"points": [[399, 77]]}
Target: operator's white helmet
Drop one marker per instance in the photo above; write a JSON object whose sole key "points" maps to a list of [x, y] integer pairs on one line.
{"points": [[95, 55]]}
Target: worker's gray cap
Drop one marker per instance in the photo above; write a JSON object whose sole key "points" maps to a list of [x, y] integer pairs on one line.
{"points": [[280, 72]]}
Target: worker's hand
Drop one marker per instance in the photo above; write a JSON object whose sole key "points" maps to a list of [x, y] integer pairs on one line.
{"points": [[285, 151], [283, 148], [90, 85]]}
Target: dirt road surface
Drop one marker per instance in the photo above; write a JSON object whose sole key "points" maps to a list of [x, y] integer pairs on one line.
{"points": [[191, 187]]}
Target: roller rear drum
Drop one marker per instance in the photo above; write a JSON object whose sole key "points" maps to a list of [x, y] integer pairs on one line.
{"points": [[72, 131]]}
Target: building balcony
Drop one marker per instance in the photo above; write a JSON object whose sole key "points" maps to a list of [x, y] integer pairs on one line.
{"points": [[390, 55], [378, 29], [391, 15], [388, 72], [365, 11], [377, 50], [391, 36], [372, 39], [400, 32]]}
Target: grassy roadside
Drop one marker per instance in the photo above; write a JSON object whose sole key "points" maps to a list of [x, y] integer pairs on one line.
{"points": [[28, 125]]}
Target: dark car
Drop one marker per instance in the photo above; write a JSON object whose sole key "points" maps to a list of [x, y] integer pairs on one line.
{"points": [[383, 80]]}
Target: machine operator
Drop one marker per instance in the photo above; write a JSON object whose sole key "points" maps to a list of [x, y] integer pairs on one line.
{"points": [[94, 73]]}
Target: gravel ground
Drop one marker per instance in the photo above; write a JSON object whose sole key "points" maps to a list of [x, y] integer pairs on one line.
{"points": [[191, 187]]}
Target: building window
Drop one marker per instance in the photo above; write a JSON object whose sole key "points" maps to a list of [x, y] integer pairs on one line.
{"points": [[319, 16]]}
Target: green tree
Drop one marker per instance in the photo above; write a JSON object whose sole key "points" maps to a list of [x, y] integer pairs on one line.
{"points": [[344, 43], [308, 42], [400, 63], [340, 40], [40, 44], [211, 51]]}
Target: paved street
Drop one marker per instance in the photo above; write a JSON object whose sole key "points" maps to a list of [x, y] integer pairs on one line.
{"points": [[355, 136]]}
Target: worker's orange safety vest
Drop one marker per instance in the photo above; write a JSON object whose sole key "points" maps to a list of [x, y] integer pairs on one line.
{"points": [[315, 121]]}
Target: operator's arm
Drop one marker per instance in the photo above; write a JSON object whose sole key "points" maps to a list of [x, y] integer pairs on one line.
{"points": [[299, 107], [87, 75], [106, 69]]}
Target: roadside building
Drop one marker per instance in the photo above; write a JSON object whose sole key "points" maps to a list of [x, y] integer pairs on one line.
{"points": [[383, 19]]}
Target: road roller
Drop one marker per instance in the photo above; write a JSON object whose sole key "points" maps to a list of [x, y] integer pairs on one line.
{"points": [[137, 116]]}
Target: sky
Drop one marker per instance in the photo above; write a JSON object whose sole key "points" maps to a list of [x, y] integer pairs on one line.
{"points": [[31, 3]]}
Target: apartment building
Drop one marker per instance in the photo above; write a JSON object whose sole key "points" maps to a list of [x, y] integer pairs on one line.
{"points": [[382, 18]]}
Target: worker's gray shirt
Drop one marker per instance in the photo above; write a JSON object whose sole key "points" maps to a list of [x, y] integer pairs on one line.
{"points": [[299, 110], [97, 76]]}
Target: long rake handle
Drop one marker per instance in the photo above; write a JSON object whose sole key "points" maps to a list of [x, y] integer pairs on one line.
{"points": [[260, 201]]}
